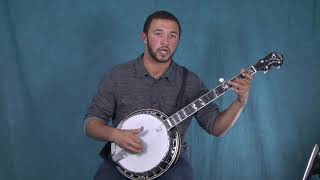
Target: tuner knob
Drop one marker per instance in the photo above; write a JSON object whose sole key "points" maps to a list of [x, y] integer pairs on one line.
{"points": [[278, 67], [265, 71]]}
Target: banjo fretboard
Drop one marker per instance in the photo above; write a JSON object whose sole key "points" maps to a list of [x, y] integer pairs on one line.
{"points": [[201, 102]]}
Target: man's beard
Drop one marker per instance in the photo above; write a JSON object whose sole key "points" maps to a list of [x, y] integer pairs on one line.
{"points": [[153, 53]]}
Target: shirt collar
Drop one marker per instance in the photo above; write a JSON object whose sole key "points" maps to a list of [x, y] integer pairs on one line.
{"points": [[142, 72]]}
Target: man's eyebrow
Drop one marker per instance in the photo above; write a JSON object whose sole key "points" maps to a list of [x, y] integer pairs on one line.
{"points": [[157, 30], [161, 30]]}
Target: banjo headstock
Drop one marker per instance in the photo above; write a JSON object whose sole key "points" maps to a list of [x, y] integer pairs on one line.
{"points": [[271, 60]]}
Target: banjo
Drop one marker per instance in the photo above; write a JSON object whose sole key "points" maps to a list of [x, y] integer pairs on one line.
{"points": [[161, 139]]}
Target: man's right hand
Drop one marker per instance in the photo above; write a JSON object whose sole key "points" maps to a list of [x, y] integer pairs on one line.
{"points": [[128, 139]]}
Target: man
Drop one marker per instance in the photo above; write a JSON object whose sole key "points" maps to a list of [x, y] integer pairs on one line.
{"points": [[153, 80]]}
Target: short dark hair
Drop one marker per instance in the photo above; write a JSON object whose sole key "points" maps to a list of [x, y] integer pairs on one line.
{"points": [[160, 15]]}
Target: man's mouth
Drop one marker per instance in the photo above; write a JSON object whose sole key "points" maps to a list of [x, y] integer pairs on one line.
{"points": [[164, 51]]}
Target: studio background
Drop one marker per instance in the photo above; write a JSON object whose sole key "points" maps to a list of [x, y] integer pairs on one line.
{"points": [[53, 54]]}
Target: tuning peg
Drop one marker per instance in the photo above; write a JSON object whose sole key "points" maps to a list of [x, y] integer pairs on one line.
{"points": [[221, 80], [265, 71]]}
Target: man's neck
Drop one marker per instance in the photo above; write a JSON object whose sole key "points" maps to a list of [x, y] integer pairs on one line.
{"points": [[155, 68]]}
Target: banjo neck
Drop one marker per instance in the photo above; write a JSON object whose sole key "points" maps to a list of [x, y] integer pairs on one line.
{"points": [[201, 102], [273, 59]]}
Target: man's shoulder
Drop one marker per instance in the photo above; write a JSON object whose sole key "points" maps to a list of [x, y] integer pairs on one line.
{"points": [[125, 66], [120, 71], [122, 68], [190, 74]]}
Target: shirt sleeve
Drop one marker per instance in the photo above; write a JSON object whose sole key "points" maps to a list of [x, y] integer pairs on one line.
{"points": [[103, 104], [207, 115]]}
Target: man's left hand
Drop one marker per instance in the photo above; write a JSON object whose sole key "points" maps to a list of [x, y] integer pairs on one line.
{"points": [[241, 86]]}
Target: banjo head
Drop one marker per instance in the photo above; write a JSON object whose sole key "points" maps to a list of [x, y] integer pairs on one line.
{"points": [[157, 154]]}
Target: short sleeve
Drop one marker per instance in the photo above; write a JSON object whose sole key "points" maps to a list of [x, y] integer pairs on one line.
{"points": [[103, 104]]}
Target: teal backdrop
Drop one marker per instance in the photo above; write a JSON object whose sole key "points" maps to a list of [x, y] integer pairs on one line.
{"points": [[53, 54]]}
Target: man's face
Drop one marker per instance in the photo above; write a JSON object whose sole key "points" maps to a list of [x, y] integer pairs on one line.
{"points": [[162, 39]]}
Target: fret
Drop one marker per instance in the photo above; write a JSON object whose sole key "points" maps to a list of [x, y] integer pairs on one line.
{"points": [[206, 98], [198, 104], [170, 121], [184, 112], [167, 123], [211, 94], [191, 107], [219, 90], [225, 86], [222, 88], [216, 93], [202, 102], [194, 106], [188, 110], [175, 118], [181, 114], [251, 70]]}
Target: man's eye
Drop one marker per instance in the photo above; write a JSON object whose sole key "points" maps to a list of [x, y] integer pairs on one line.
{"points": [[173, 36]]}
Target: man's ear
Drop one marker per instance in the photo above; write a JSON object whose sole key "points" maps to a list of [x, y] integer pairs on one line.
{"points": [[143, 37]]}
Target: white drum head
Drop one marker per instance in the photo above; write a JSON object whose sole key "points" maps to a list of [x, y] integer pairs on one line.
{"points": [[156, 143]]}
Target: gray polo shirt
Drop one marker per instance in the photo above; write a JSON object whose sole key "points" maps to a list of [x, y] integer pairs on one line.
{"points": [[129, 87]]}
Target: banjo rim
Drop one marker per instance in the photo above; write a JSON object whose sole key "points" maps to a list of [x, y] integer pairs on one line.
{"points": [[173, 150]]}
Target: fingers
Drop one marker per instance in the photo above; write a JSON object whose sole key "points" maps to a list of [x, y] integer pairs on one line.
{"points": [[135, 147], [238, 84], [136, 131], [238, 88], [137, 140], [241, 85], [129, 140], [245, 81], [132, 146], [246, 75]]}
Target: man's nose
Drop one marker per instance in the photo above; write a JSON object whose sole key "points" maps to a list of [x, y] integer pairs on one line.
{"points": [[164, 40]]}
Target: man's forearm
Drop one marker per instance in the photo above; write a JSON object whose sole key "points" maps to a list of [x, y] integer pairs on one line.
{"points": [[97, 129], [226, 119]]}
